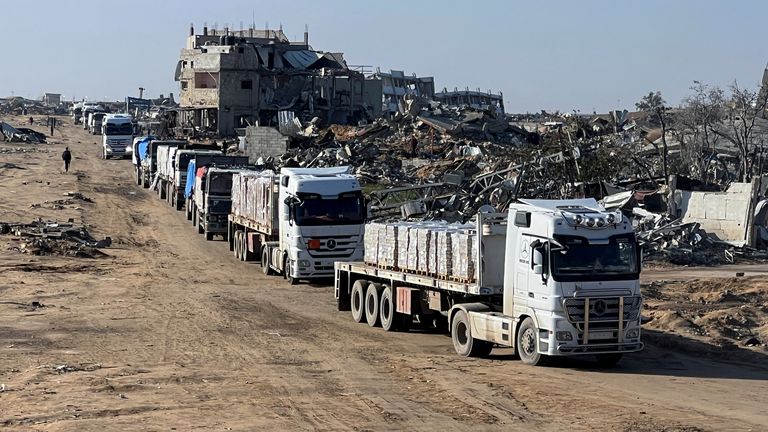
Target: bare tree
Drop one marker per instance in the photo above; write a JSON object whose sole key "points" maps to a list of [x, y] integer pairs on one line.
{"points": [[655, 104], [742, 111], [700, 112]]}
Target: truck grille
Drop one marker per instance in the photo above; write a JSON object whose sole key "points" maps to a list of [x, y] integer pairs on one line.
{"points": [[603, 312], [334, 247]]}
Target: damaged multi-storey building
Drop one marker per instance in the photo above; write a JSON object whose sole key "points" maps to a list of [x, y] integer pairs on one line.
{"points": [[234, 79], [472, 98]]}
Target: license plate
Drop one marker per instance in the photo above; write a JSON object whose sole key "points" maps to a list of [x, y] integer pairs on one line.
{"points": [[601, 335]]}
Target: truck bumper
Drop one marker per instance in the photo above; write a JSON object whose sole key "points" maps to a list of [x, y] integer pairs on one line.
{"points": [[562, 339]]}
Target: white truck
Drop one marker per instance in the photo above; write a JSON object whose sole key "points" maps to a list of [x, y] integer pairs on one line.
{"points": [[551, 278], [86, 109], [95, 120], [299, 222], [117, 135]]}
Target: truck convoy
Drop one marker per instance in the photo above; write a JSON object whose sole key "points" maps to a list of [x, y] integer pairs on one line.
{"points": [[117, 135], [299, 222], [146, 163], [550, 278], [85, 111]]}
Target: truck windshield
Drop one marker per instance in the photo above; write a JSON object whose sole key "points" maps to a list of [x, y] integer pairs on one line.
{"points": [[347, 209], [579, 260], [118, 129], [220, 184]]}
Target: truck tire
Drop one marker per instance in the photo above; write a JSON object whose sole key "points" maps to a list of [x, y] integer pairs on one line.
{"points": [[138, 177], [372, 304], [463, 342], [242, 247], [287, 270], [608, 360], [247, 255], [209, 236], [265, 262], [238, 233], [179, 203], [194, 216], [389, 318], [357, 300], [188, 211], [200, 228], [527, 346]]}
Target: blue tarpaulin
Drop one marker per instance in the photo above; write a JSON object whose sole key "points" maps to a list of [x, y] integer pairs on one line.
{"points": [[143, 147], [191, 171]]}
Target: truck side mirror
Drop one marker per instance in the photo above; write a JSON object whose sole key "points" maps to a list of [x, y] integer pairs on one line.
{"points": [[538, 261]]}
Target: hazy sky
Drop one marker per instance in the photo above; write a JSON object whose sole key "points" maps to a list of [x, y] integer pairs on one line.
{"points": [[584, 55]]}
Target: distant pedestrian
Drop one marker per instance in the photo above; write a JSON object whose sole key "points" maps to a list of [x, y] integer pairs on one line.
{"points": [[53, 124], [66, 156], [31, 121]]}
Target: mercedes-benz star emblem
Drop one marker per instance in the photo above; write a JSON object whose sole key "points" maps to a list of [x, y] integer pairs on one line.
{"points": [[599, 307], [330, 244]]}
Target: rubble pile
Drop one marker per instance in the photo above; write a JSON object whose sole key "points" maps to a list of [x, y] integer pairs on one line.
{"points": [[22, 106], [12, 134], [53, 238]]}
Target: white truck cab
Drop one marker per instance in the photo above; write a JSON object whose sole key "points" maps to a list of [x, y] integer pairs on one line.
{"points": [[322, 217], [117, 135], [95, 120]]}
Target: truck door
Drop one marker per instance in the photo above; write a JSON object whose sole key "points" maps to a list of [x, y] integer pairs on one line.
{"points": [[522, 267]]}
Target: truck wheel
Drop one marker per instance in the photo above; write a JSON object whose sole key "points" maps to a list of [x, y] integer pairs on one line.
{"points": [[179, 203], [265, 262], [247, 255], [188, 211], [390, 319], [287, 270], [243, 245], [357, 300], [238, 233], [463, 342], [527, 349], [208, 236], [608, 360], [372, 299], [200, 228], [138, 177], [194, 216]]}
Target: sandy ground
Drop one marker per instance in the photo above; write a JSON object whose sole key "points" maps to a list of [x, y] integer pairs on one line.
{"points": [[170, 332]]}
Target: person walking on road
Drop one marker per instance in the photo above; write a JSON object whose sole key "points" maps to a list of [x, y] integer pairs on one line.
{"points": [[66, 156], [52, 122]]}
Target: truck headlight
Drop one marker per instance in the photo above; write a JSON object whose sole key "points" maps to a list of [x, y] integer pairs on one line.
{"points": [[633, 333], [564, 336], [304, 263]]}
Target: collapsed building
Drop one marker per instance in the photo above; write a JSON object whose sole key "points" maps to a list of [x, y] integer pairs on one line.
{"points": [[234, 79], [397, 86], [472, 98]]}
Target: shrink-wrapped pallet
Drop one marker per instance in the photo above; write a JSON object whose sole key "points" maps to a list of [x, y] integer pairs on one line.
{"points": [[464, 255], [444, 253], [371, 242], [413, 252], [424, 237], [402, 246], [387, 250]]}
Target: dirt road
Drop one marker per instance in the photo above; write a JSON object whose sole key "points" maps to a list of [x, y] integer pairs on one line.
{"points": [[171, 332]]}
